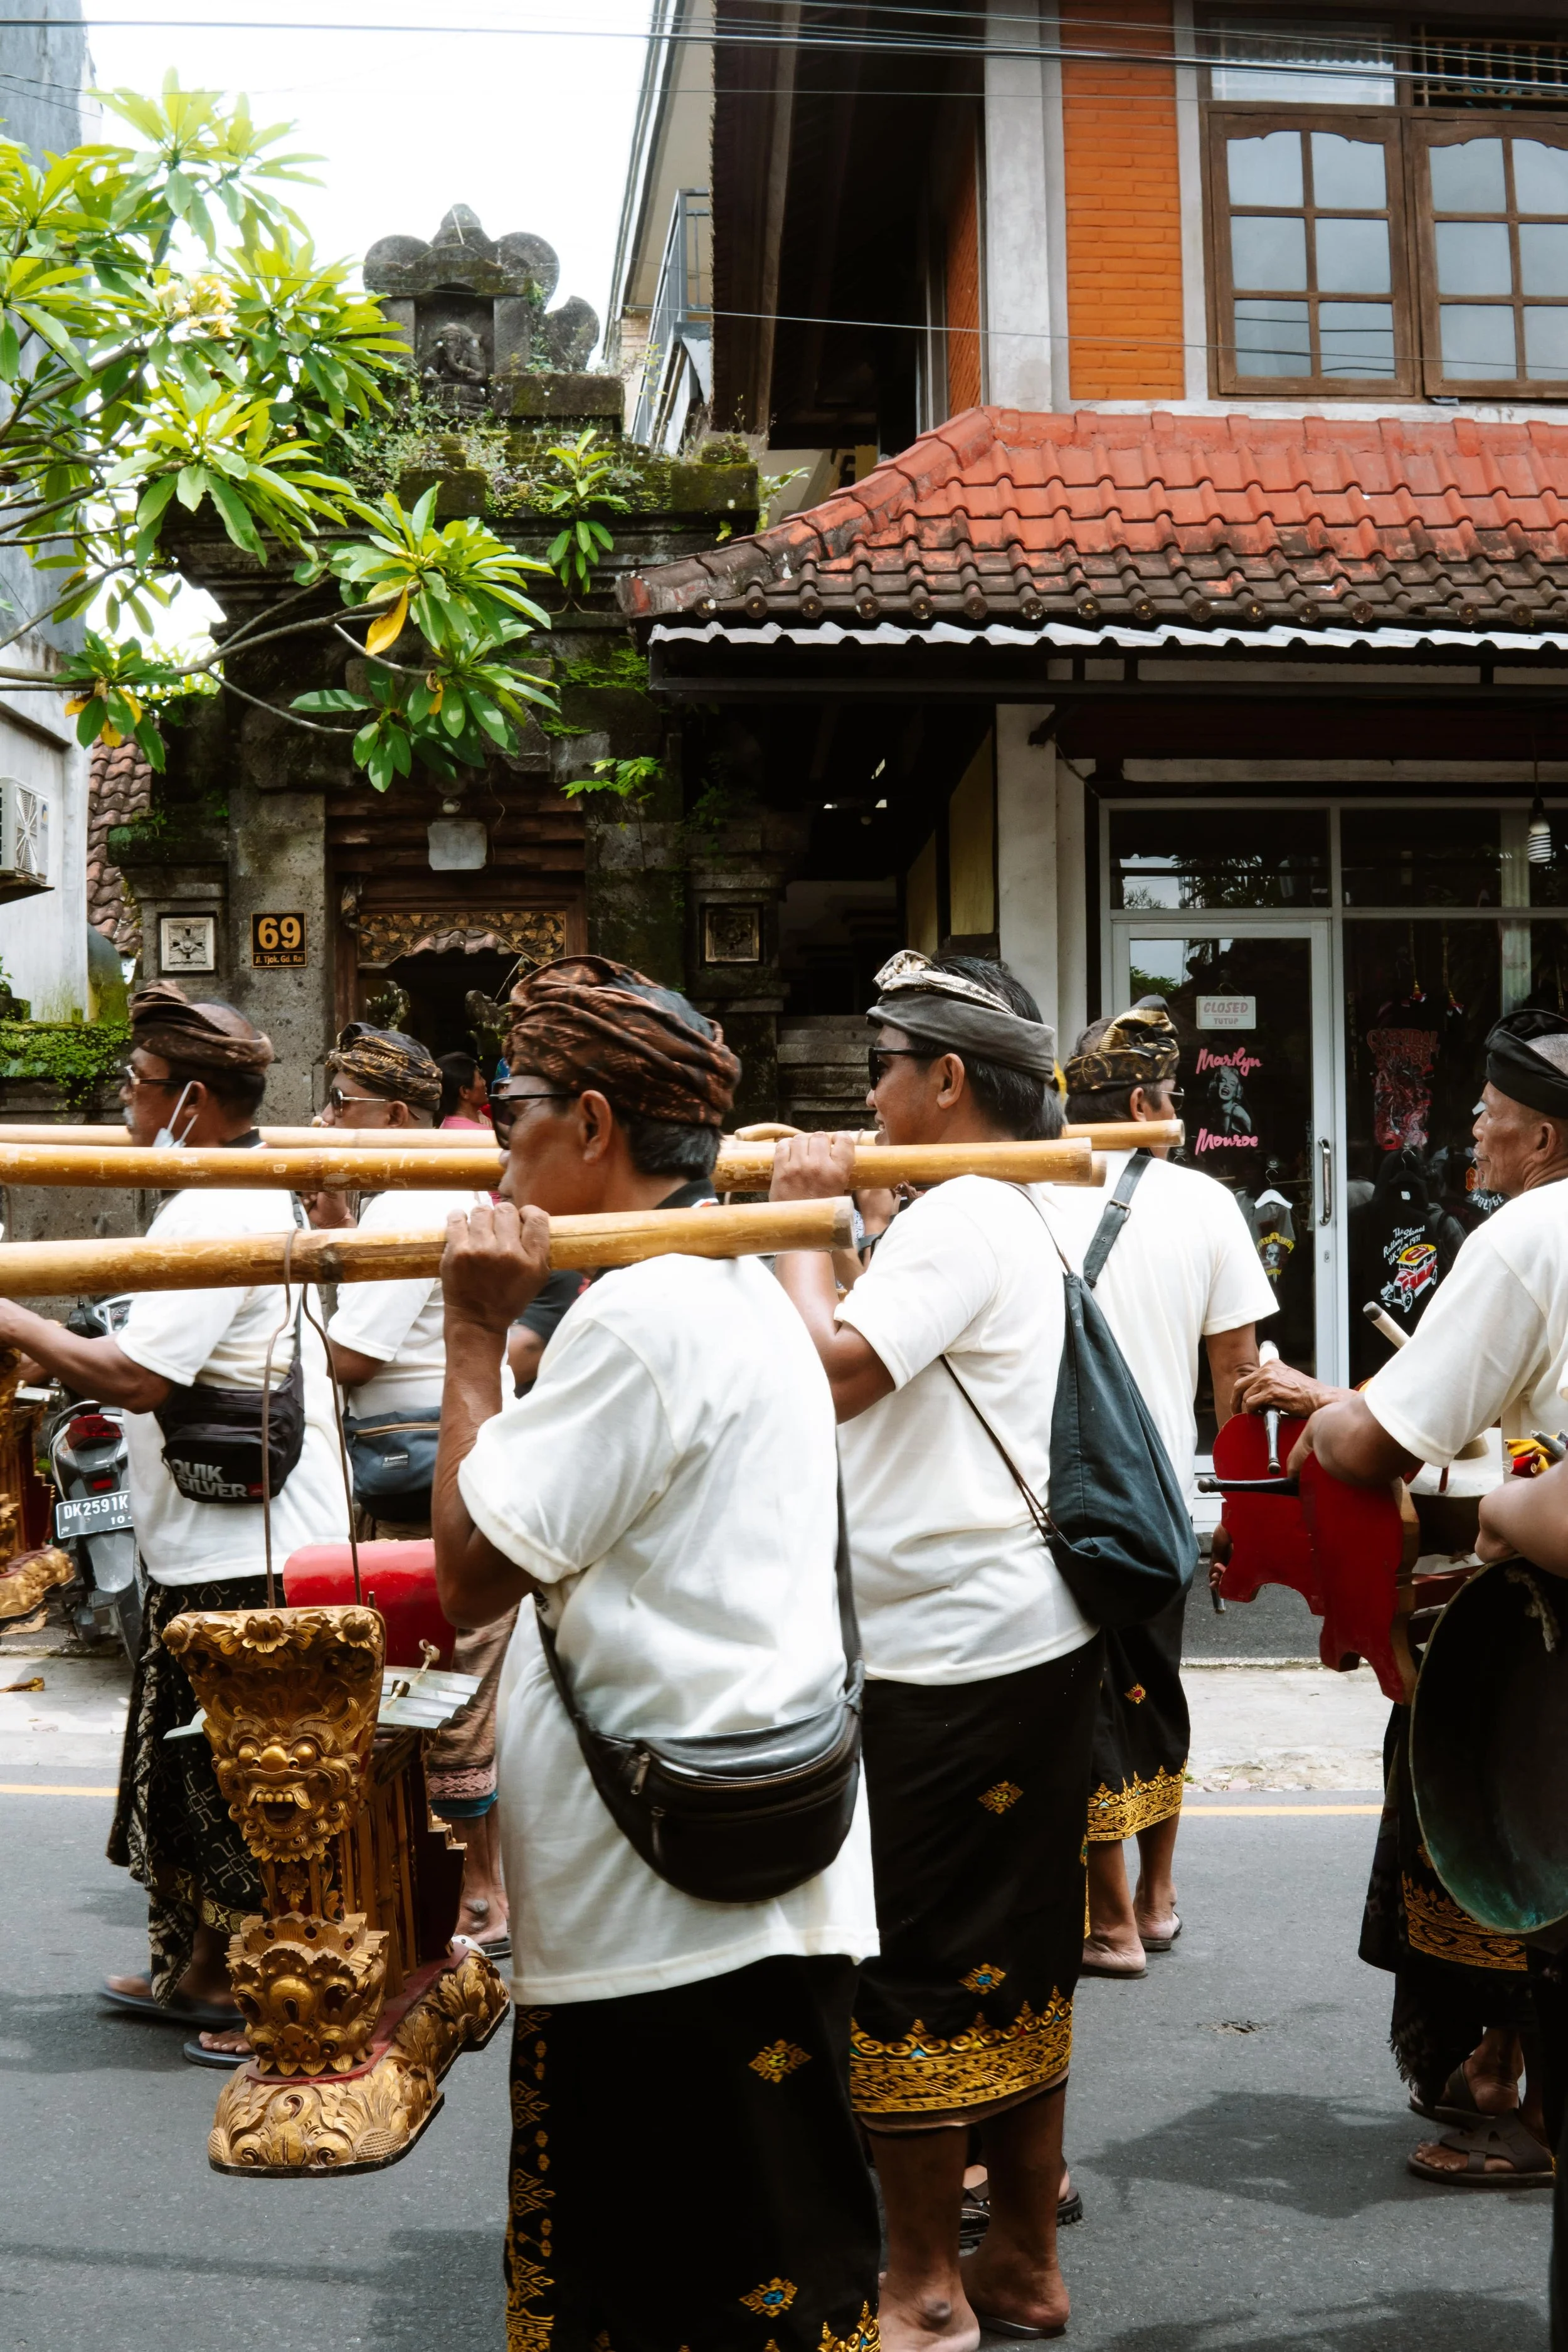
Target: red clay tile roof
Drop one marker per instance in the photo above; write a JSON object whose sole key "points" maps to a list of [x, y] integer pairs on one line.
{"points": [[1151, 518]]}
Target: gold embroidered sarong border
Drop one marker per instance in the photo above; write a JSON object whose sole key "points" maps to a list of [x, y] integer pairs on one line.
{"points": [[1434, 1924], [528, 2328], [924, 2074], [1118, 1814]]}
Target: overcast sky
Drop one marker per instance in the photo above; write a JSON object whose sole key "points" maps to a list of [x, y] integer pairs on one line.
{"points": [[530, 127]]}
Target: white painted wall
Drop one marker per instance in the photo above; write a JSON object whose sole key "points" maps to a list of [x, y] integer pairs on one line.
{"points": [[1042, 871], [1016, 253], [43, 938]]}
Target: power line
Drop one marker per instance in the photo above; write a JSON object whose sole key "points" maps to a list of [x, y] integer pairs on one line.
{"points": [[912, 45]]}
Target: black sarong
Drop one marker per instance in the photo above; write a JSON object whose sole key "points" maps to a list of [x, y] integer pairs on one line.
{"points": [[1453, 1979], [976, 1794], [172, 1829], [686, 2171], [1143, 1732]]}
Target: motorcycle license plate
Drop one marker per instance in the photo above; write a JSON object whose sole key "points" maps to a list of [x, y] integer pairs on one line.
{"points": [[93, 1515]]}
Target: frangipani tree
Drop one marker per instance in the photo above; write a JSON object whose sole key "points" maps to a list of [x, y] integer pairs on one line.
{"points": [[169, 344]]}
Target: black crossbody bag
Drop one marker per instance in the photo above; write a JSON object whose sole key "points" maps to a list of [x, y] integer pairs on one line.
{"points": [[744, 1816], [1118, 1528]]}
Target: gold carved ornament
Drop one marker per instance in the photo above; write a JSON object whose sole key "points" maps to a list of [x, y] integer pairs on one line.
{"points": [[291, 1697], [309, 1991], [922, 2074], [387, 934]]}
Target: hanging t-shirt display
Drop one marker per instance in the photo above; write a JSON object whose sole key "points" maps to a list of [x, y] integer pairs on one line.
{"points": [[1402, 1245], [1403, 1061], [1273, 1231]]}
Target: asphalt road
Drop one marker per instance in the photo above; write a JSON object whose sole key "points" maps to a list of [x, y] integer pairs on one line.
{"points": [[1245, 2191]]}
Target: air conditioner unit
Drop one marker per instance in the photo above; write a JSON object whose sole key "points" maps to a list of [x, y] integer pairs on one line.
{"points": [[24, 840]]}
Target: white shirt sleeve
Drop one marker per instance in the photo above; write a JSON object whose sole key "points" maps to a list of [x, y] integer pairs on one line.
{"points": [[175, 1332], [934, 1270], [1239, 1291], [559, 1476], [1472, 1353], [375, 1319]]}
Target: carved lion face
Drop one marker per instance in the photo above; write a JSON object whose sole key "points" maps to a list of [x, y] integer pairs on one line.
{"points": [[292, 1785]]}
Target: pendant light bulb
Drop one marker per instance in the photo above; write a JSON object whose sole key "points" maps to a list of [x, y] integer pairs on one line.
{"points": [[1539, 838]]}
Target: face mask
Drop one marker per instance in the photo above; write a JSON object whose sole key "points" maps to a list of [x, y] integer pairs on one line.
{"points": [[166, 1139]]}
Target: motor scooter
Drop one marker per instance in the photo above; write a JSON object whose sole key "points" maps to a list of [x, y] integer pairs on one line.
{"points": [[84, 1445]]}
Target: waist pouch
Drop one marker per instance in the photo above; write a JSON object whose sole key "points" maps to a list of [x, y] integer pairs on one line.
{"points": [[392, 1454], [213, 1446], [739, 1817]]}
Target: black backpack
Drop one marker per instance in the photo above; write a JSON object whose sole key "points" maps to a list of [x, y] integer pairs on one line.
{"points": [[1119, 1528]]}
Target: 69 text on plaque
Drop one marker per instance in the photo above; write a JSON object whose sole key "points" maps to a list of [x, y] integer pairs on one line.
{"points": [[277, 941]]}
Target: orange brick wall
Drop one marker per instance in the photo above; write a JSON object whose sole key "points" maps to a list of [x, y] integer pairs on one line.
{"points": [[963, 291], [1123, 205]]}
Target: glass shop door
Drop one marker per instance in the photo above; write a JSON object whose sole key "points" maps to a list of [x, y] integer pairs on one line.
{"points": [[1253, 1003]]}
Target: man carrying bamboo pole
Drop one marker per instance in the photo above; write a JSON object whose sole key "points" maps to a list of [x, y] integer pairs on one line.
{"points": [[189, 1367], [983, 1673], [666, 1491]]}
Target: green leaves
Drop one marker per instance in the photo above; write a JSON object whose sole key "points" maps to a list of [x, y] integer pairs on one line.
{"points": [[584, 471]]}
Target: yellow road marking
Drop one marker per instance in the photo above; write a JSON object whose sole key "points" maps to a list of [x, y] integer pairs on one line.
{"points": [[51, 1788], [1237, 1813]]}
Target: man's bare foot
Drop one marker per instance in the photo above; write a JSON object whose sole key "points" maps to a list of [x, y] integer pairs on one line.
{"points": [[231, 2042], [1494, 2089], [1115, 1955], [918, 2320], [1006, 2282]]}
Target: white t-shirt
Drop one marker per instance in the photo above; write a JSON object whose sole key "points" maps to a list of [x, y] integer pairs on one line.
{"points": [[217, 1338], [1182, 1268], [1494, 1341], [952, 1581], [669, 1478], [401, 1324]]}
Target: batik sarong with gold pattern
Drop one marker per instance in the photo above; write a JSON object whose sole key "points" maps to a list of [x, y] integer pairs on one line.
{"points": [[1144, 1731], [976, 1794], [1452, 1978], [686, 2171]]}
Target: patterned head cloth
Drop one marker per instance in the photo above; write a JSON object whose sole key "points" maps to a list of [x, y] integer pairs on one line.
{"points": [[586, 1021], [201, 1036], [389, 1063], [1139, 1049], [948, 1008]]}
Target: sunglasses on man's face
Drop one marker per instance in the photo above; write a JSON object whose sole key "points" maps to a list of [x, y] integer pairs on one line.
{"points": [[505, 1107], [880, 1056]]}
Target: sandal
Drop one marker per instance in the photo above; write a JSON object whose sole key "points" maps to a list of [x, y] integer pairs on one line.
{"points": [[1121, 1976], [1530, 2165], [1161, 1943], [974, 2216], [198, 2054], [1455, 2103]]}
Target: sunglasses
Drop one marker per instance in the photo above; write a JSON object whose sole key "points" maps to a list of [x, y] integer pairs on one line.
{"points": [[506, 1107], [879, 1057]]}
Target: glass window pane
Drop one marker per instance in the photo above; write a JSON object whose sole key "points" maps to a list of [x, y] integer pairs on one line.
{"points": [[1356, 68], [1266, 171], [1421, 857], [1478, 343], [1348, 171], [1546, 342], [1269, 250], [1187, 857], [1543, 257], [1356, 338], [1473, 258], [1352, 257], [1540, 177], [1273, 338], [1468, 177]]}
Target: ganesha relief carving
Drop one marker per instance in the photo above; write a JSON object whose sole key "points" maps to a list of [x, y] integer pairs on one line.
{"points": [[291, 1696]]}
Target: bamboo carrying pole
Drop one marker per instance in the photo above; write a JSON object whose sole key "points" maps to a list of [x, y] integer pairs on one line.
{"points": [[386, 1167], [48, 1269], [1101, 1135]]}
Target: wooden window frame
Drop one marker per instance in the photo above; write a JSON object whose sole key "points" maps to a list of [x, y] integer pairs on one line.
{"points": [[1383, 126], [1430, 128]]}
